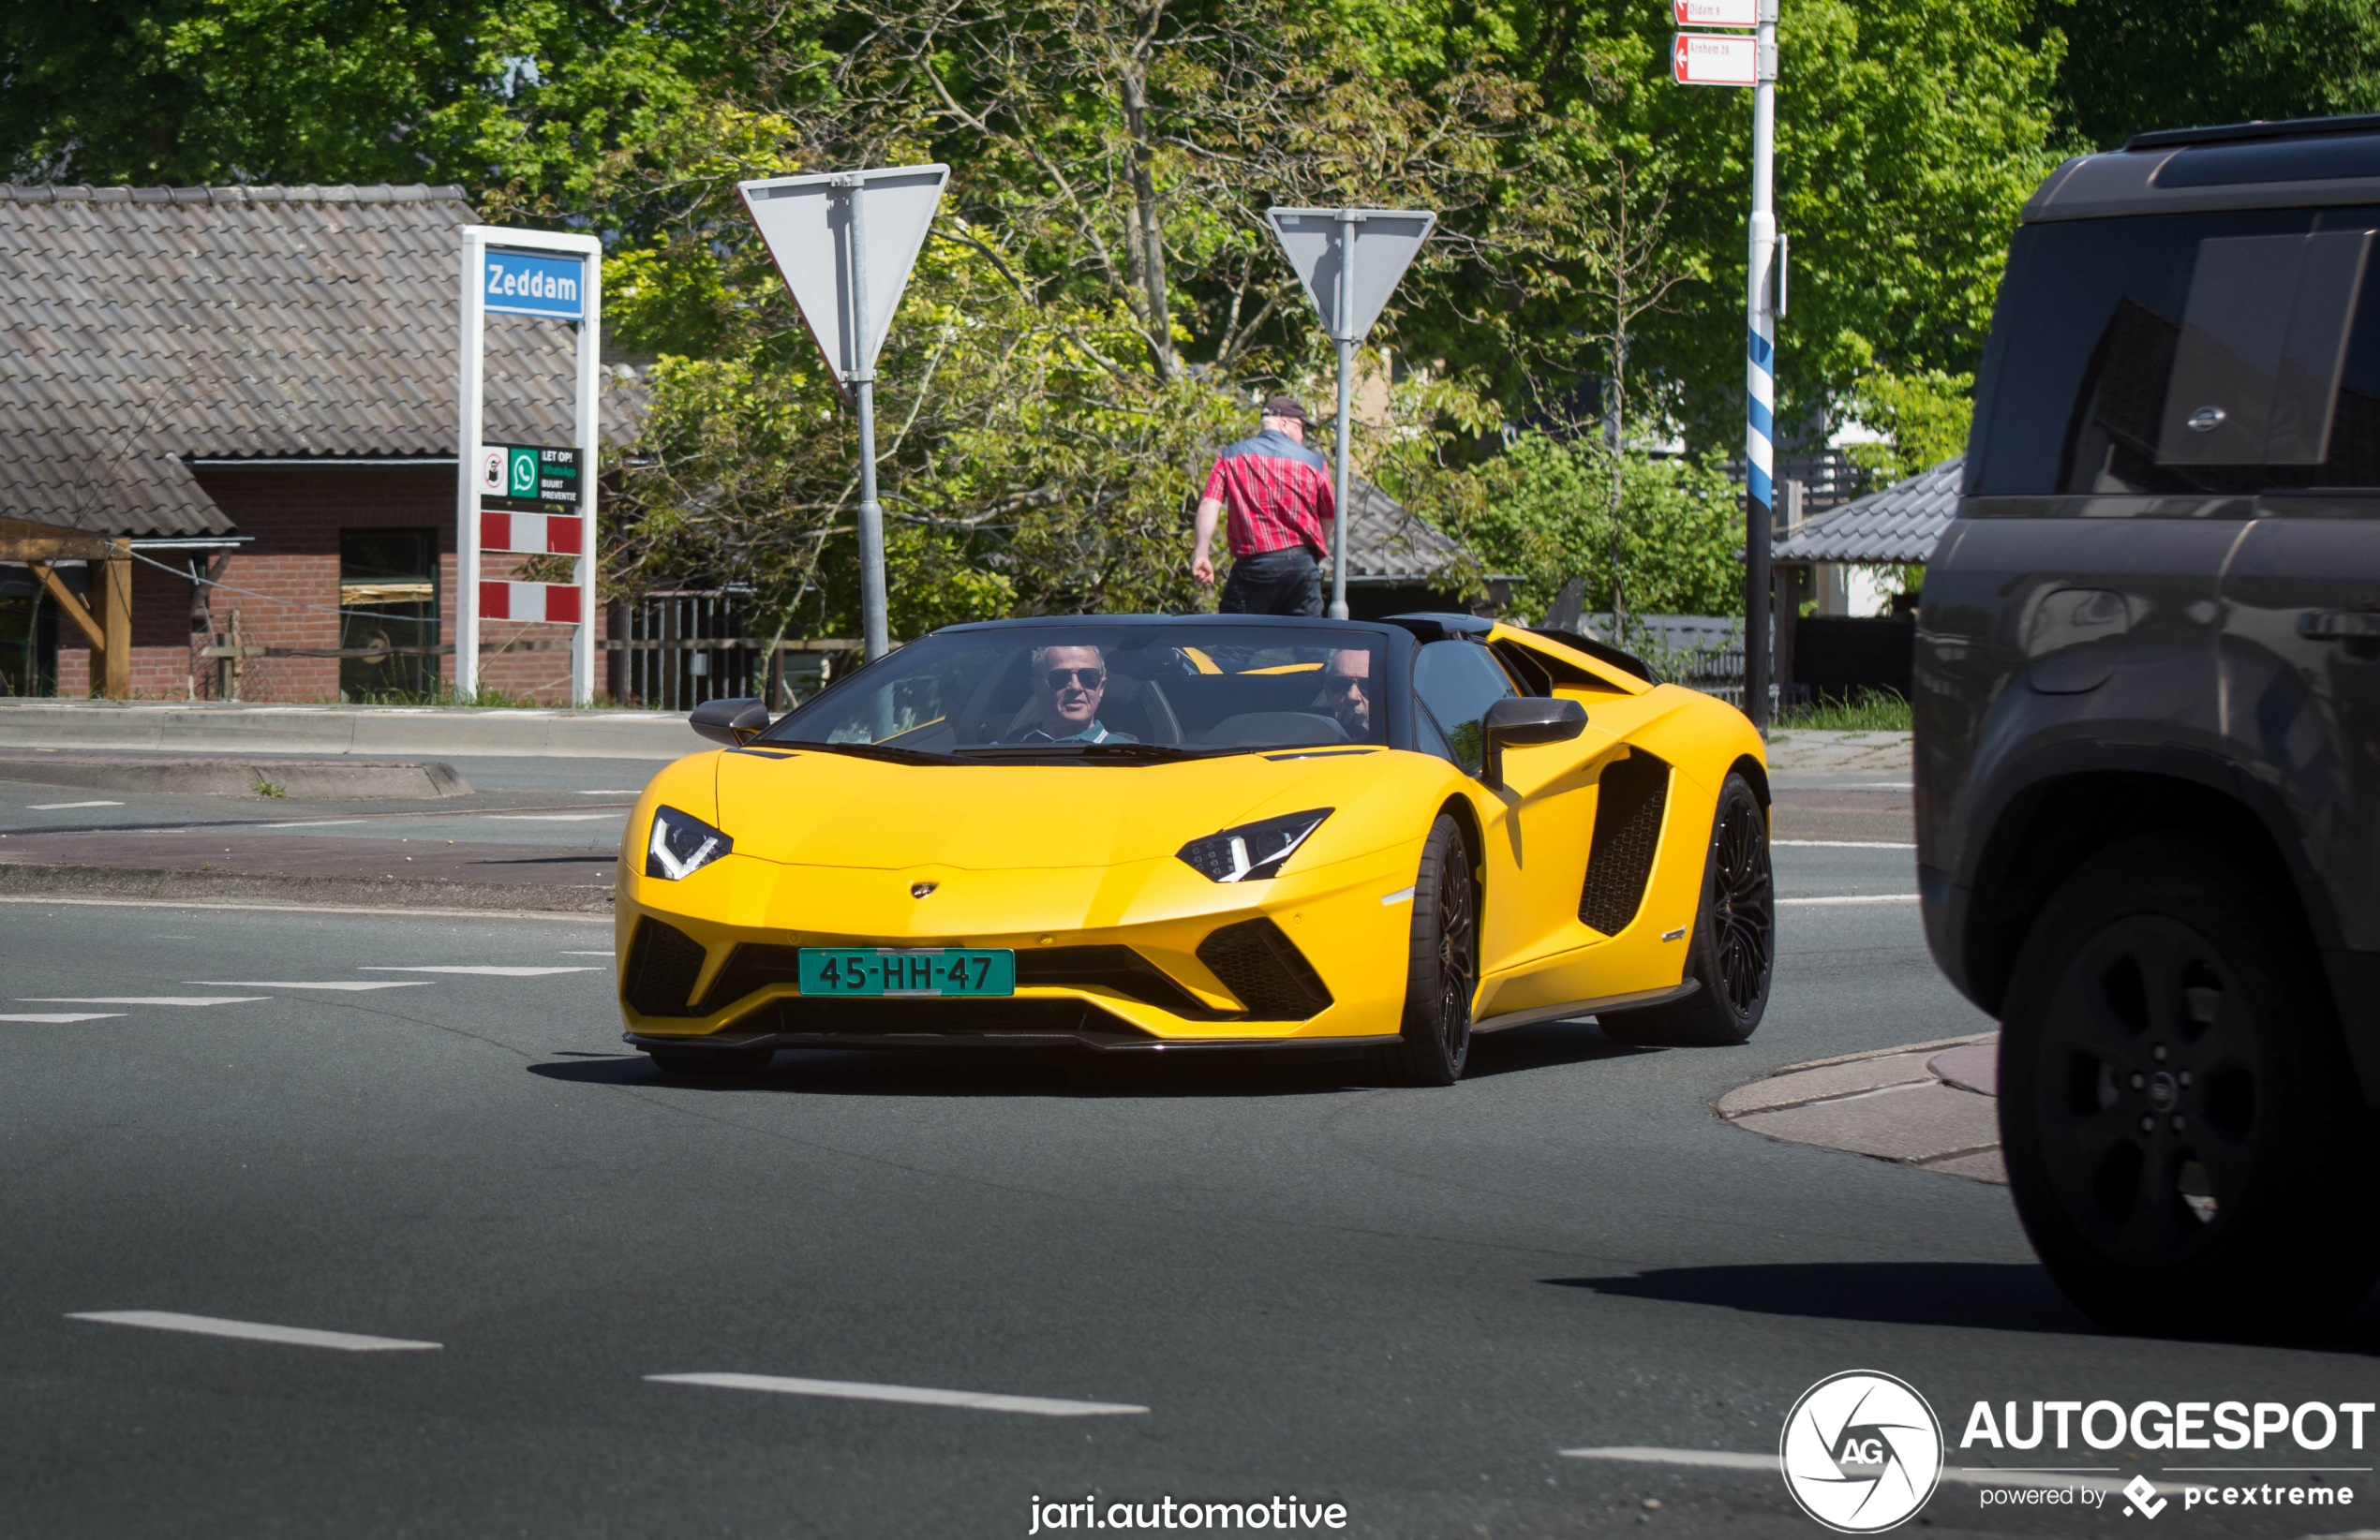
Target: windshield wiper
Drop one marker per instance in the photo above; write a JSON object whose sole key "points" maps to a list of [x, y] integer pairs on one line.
{"points": [[858, 750], [1150, 752]]}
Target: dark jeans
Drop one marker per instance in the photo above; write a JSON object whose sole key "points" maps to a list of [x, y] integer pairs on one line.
{"points": [[1286, 582]]}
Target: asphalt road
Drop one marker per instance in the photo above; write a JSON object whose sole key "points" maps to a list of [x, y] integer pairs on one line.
{"points": [[1407, 1302]]}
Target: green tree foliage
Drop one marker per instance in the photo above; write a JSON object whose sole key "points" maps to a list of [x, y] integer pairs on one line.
{"points": [[1909, 136], [515, 99], [1100, 307], [1922, 418], [1545, 518], [2130, 67]]}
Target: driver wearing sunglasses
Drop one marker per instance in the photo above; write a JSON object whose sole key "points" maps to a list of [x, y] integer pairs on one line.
{"points": [[1069, 681]]}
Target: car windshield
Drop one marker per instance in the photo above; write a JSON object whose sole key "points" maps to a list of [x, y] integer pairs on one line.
{"points": [[1119, 694]]}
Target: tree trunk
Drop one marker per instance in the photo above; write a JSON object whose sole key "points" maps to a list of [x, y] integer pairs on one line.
{"points": [[1618, 418], [1146, 243]]}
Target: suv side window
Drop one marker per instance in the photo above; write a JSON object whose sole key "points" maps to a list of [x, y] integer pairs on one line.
{"points": [[2117, 327], [1456, 682]]}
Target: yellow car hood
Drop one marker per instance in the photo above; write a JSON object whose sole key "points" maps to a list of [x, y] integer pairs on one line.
{"points": [[830, 809]]}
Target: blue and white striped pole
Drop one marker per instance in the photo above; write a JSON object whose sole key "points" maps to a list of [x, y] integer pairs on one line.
{"points": [[1760, 369]]}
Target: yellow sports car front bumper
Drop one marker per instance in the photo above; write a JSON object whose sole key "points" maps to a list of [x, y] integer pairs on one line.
{"points": [[1143, 953]]}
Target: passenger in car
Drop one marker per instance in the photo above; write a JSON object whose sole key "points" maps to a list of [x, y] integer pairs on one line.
{"points": [[1347, 690], [1069, 684]]}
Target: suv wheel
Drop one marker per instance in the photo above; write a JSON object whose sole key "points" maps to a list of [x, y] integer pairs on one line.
{"points": [[2178, 1115]]}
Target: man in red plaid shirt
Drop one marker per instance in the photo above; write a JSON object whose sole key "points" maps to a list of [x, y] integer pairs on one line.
{"points": [[1278, 494]]}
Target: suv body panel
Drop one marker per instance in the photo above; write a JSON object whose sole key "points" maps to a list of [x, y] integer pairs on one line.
{"points": [[2111, 637]]}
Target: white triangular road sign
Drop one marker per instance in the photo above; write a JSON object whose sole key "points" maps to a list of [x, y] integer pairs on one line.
{"points": [[805, 222], [1385, 241]]}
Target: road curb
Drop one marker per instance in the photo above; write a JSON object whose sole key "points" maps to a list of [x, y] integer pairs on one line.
{"points": [[178, 776], [167, 884], [231, 727], [1930, 1106]]}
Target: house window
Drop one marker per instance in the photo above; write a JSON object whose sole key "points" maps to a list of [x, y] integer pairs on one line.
{"points": [[388, 602]]}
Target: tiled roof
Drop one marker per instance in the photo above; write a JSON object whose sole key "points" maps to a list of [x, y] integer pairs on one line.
{"points": [[1388, 543], [141, 326], [1900, 524]]}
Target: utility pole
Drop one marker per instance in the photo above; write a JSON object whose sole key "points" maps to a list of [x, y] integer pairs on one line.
{"points": [[1760, 372], [1705, 59]]}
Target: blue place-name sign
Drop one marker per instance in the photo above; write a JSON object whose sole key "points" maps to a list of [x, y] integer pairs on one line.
{"points": [[534, 284]]}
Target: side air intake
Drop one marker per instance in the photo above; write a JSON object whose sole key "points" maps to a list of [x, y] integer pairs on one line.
{"points": [[1264, 968], [1628, 832], [663, 962]]}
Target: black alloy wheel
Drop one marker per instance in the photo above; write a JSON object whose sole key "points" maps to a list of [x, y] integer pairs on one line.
{"points": [[2177, 1110], [1442, 978], [1731, 945]]}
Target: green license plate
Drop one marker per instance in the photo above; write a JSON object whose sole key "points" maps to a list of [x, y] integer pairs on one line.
{"points": [[917, 971]]}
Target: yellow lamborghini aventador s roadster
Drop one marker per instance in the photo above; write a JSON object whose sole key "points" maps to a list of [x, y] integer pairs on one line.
{"points": [[1151, 833]]}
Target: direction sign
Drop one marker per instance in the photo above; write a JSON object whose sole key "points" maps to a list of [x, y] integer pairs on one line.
{"points": [[1696, 59], [529, 283], [1716, 13], [1384, 243], [806, 223], [527, 478]]}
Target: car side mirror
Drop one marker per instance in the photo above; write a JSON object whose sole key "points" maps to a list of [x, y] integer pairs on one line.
{"points": [[1518, 721], [733, 722]]}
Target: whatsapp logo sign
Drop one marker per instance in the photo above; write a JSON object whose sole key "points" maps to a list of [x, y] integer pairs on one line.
{"points": [[1861, 1452], [524, 473]]}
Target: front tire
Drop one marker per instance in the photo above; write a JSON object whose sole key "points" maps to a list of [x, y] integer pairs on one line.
{"points": [[1442, 970], [2183, 1136], [1732, 949]]}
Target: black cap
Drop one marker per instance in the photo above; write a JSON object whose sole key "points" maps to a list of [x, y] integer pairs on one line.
{"points": [[1286, 406]]}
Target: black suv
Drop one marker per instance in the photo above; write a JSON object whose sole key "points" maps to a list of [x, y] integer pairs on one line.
{"points": [[2147, 712]]}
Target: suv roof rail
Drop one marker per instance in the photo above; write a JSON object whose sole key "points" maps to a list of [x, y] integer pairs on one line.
{"points": [[2235, 132]]}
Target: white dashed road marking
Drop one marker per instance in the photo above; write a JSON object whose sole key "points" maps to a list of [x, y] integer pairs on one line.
{"points": [[350, 985], [586, 954], [254, 1331], [61, 1018], [851, 1390], [315, 823], [550, 818], [1846, 844], [59, 807], [484, 971], [139, 1000], [1856, 898]]}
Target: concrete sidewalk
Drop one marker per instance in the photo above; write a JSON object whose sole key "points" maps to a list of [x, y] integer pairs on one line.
{"points": [[1931, 1104], [207, 727]]}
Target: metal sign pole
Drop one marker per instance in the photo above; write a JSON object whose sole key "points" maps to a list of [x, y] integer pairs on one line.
{"points": [[590, 430], [1760, 370], [466, 499], [1348, 219], [847, 288], [875, 631], [1348, 303]]}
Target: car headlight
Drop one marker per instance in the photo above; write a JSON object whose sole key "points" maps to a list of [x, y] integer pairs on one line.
{"points": [[1253, 850], [681, 845]]}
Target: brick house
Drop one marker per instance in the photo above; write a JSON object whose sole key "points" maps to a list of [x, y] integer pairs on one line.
{"points": [[257, 387]]}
